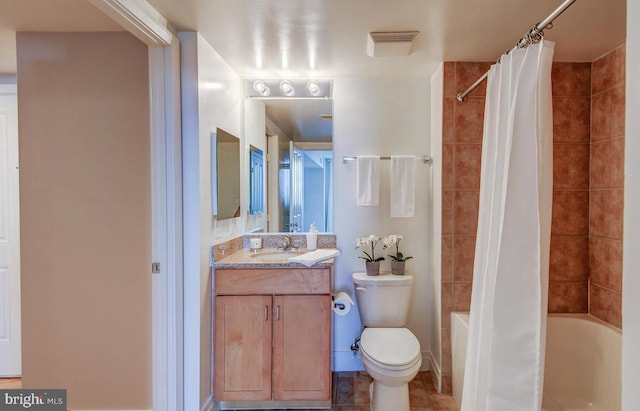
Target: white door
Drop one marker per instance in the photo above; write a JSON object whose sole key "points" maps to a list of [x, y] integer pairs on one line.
{"points": [[10, 355]]}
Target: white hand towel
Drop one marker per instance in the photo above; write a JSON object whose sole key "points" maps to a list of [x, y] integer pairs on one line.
{"points": [[403, 186], [316, 256], [368, 180]]}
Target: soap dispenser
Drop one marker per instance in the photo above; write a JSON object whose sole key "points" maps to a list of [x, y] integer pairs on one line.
{"points": [[312, 237]]}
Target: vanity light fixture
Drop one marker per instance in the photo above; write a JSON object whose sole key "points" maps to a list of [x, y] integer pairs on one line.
{"points": [[303, 88], [261, 88], [287, 88], [313, 88]]}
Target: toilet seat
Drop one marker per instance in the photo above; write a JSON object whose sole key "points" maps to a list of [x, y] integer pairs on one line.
{"points": [[390, 348]]}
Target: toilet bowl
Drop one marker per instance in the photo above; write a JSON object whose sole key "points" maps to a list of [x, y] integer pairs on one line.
{"points": [[392, 358], [390, 352]]}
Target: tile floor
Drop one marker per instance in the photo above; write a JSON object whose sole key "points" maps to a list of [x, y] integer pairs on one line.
{"points": [[351, 392], [10, 383]]}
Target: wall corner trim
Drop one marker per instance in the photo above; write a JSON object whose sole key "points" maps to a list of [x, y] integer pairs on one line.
{"points": [[435, 370], [208, 404], [139, 18]]}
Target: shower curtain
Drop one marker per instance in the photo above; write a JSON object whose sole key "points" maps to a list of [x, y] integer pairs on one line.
{"points": [[505, 352]]}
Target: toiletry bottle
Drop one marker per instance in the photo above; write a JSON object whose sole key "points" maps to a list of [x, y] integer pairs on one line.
{"points": [[312, 237]]}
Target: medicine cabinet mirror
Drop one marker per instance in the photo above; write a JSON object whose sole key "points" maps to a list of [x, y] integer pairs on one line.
{"points": [[256, 181], [225, 178]]}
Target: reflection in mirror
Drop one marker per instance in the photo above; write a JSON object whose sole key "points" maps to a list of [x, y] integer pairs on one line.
{"points": [[299, 173], [226, 191], [256, 181], [311, 187]]}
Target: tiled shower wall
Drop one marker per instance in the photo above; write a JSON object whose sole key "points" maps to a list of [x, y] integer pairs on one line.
{"points": [[461, 152], [569, 258], [584, 237], [607, 186]]}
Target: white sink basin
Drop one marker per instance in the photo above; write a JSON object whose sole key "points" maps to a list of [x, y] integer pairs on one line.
{"points": [[276, 256]]}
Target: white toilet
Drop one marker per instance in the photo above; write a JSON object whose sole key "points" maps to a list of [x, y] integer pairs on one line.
{"points": [[390, 352]]}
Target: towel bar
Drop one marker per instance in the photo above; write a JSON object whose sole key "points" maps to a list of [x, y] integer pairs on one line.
{"points": [[424, 159]]}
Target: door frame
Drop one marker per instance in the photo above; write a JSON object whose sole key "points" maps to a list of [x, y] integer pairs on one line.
{"points": [[143, 21], [10, 90]]}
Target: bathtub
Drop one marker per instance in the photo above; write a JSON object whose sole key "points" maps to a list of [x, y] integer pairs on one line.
{"points": [[582, 366]]}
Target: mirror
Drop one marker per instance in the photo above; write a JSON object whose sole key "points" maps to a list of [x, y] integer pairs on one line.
{"points": [[256, 181], [225, 179], [300, 168], [311, 177]]}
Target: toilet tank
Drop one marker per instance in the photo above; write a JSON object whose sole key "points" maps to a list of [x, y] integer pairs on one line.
{"points": [[383, 300]]}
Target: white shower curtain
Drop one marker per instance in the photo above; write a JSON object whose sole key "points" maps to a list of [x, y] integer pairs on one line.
{"points": [[505, 351]]}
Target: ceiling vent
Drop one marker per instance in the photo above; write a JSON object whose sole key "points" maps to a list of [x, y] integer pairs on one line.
{"points": [[390, 43]]}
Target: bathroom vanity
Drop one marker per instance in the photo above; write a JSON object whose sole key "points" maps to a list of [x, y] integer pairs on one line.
{"points": [[272, 332]]}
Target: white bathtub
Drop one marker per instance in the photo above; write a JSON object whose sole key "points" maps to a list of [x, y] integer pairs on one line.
{"points": [[582, 366]]}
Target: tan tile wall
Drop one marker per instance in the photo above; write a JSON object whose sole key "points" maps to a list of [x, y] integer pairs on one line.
{"points": [[462, 149], [569, 258], [607, 186], [573, 218]]}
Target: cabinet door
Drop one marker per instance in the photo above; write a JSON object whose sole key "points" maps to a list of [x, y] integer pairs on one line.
{"points": [[242, 352], [302, 347]]}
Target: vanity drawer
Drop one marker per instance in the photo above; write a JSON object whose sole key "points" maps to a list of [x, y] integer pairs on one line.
{"points": [[272, 281]]}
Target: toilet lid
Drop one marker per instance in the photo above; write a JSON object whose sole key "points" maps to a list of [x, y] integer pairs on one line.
{"points": [[381, 280], [390, 346]]}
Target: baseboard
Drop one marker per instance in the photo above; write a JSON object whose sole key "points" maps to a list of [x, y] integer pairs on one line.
{"points": [[426, 361], [435, 372], [346, 361], [208, 404]]}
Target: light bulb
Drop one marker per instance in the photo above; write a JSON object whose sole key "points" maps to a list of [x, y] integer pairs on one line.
{"points": [[287, 88], [313, 87], [261, 88]]}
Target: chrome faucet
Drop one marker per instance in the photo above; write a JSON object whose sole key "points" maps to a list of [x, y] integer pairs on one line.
{"points": [[287, 243]]}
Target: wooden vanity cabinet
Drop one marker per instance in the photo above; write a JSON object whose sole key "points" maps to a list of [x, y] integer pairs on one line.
{"points": [[272, 335], [243, 333], [302, 347]]}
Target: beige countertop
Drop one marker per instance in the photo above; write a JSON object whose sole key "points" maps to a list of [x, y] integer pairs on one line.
{"points": [[266, 258]]}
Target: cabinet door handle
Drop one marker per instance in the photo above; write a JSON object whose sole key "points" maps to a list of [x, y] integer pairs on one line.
{"points": [[277, 313], [266, 313]]}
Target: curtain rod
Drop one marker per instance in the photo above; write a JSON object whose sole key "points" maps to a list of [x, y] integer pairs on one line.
{"points": [[533, 36]]}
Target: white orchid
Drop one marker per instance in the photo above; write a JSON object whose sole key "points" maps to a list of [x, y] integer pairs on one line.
{"points": [[394, 240], [370, 241], [391, 240]]}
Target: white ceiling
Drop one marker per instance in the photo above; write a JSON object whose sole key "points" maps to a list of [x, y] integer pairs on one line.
{"points": [[327, 38], [45, 15], [301, 119]]}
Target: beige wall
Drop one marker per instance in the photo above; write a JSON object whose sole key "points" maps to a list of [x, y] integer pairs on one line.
{"points": [[85, 217]]}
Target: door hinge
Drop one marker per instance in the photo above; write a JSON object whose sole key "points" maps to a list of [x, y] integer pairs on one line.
{"points": [[155, 268]]}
